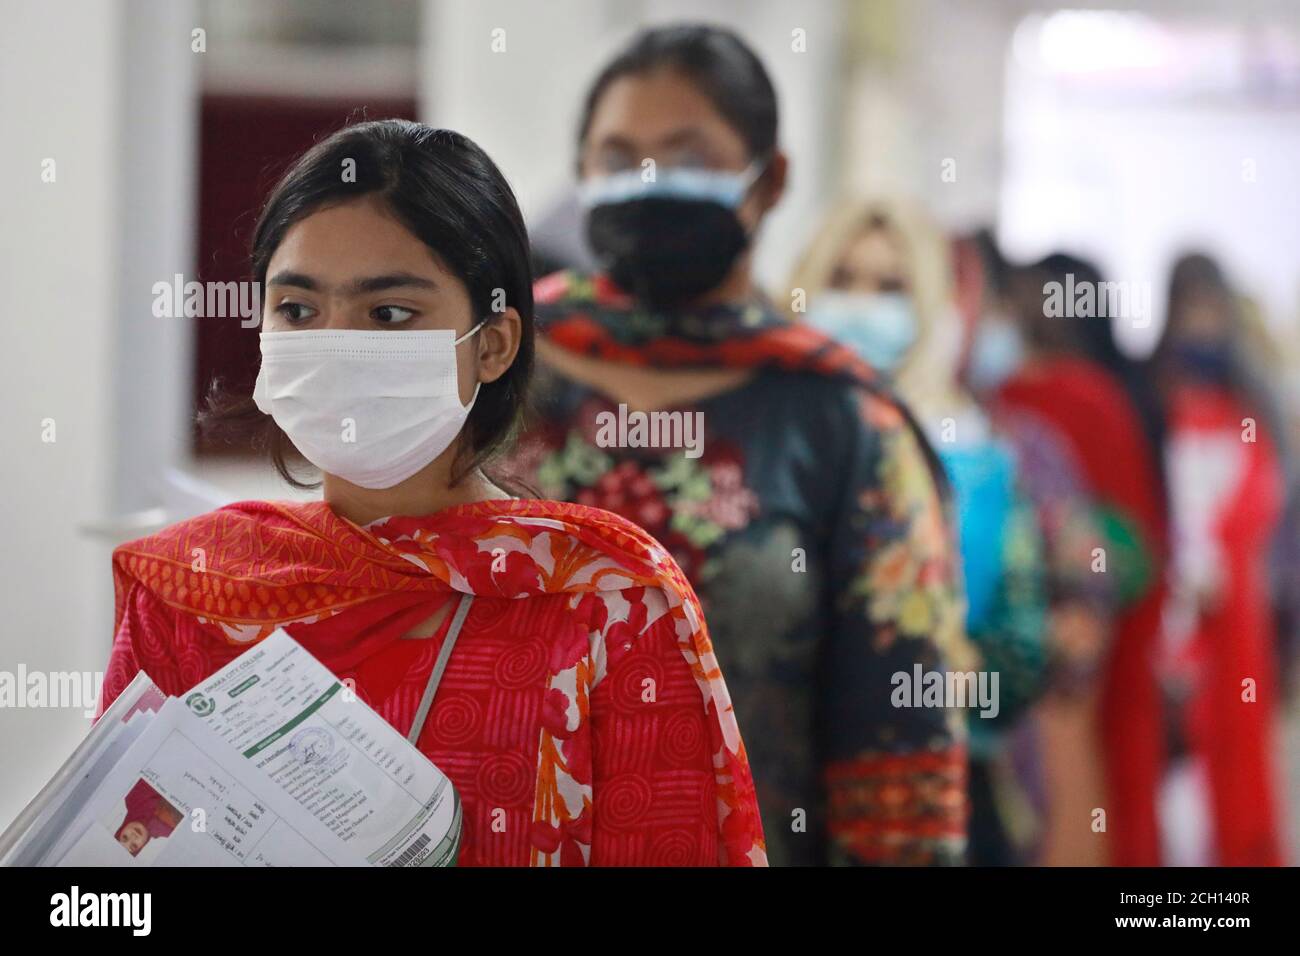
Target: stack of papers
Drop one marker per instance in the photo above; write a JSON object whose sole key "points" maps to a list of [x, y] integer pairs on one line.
{"points": [[269, 762]]}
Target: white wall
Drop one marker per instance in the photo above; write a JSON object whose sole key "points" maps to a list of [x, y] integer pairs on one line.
{"points": [[56, 269], [82, 86], [1125, 181], [926, 89], [1135, 183]]}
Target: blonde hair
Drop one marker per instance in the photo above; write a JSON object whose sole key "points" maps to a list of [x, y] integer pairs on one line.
{"points": [[927, 376]]}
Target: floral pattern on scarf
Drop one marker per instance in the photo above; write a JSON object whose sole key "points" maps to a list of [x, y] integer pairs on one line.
{"points": [[251, 567]]}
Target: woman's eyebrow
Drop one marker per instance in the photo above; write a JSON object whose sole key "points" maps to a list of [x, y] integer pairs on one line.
{"points": [[683, 136], [380, 283], [296, 279], [392, 280], [690, 136]]}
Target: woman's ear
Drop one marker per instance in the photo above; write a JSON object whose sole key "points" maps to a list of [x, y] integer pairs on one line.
{"points": [[767, 190], [498, 344], [772, 182]]}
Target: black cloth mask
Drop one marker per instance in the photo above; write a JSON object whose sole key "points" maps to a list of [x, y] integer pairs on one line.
{"points": [[666, 251]]}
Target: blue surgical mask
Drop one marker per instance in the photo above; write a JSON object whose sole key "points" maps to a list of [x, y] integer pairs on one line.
{"points": [[996, 354], [723, 187], [879, 326]]}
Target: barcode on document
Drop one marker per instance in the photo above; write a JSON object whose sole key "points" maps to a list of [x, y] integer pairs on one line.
{"points": [[409, 856]]}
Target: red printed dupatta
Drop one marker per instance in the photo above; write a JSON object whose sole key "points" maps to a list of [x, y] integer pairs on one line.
{"points": [[590, 315], [251, 567]]}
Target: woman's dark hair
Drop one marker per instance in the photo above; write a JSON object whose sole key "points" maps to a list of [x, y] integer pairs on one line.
{"points": [[716, 61], [1196, 274], [443, 188]]}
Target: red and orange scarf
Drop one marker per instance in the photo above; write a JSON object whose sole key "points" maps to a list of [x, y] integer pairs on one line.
{"points": [[268, 563], [251, 567], [591, 316]]}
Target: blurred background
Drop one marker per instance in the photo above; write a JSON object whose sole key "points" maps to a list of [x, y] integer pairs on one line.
{"points": [[1126, 132]]}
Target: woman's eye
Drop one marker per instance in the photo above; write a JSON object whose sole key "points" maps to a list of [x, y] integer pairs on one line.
{"points": [[392, 314], [295, 313], [614, 161], [689, 159]]}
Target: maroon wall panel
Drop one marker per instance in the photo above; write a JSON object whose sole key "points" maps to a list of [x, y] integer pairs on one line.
{"points": [[245, 143]]}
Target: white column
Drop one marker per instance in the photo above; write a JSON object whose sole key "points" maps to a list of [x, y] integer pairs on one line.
{"points": [[104, 92]]}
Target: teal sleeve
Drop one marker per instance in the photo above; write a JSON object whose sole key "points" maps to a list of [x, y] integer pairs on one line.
{"points": [[1013, 644]]}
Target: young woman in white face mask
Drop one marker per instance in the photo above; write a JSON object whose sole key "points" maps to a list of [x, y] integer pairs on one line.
{"points": [[396, 350]]}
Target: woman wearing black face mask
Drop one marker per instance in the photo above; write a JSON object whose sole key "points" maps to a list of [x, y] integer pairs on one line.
{"points": [[794, 491]]}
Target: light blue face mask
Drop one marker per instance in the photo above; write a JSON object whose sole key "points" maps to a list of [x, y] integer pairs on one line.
{"points": [[723, 187], [996, 354], [879, 326]]}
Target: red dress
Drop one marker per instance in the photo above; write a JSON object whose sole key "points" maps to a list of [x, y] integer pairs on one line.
{"points": [[1230, 718], [582, 717], [1089, 408]]}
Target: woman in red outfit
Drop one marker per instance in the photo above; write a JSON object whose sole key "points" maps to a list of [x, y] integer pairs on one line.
{"points": [[1108, 734], [582, 716], [1217, 662]]}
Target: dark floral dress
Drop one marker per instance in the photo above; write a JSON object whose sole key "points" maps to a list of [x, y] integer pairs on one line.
{"points": [[813, 530]]}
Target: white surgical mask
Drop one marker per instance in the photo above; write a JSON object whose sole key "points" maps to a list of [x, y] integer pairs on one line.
{"points": [[881, 327], [372, 408]]}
